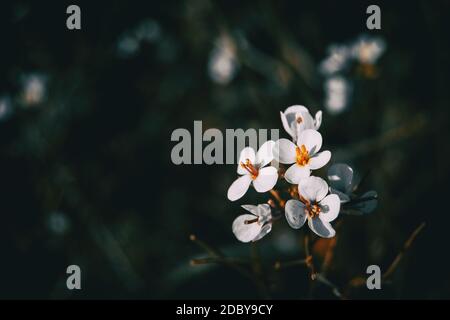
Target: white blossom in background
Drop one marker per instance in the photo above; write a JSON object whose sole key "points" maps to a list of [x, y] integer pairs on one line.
{"points": [[223, 62], [148, 30], [130, 42], [5, 107], [251, 169], [337, 94], [297, 118], [315, 206], [58, 223], [253, 226], [336, 61], [127, 45], [368, 50], [34, 89], [304, 155], [340, 177]]}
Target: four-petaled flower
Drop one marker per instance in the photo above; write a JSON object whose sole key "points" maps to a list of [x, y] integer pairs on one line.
{"points": [[254, 226], [304, 156], [251, 169], [315, 206], [297, 118], [340, 176]]}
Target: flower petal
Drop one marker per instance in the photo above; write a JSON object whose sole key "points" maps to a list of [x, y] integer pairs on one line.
{"points": [[246, 153], [239, 187], [344, 197], [369, 205], [251, 208], [319, 160], [318, 120], [321, 228], [295, 213], [294, 109], [265, 154], [286, 124], [329, 207], [312, 140], [266, 179], [264, 230], [295, 173], [245, 232], [284, 151], [340, 176], [303, 121], [313, 188], [264, 212]]}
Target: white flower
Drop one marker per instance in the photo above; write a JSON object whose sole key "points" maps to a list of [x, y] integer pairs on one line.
{"points": [[305, 156], [223, 62], [5, 107], [315, 205], [34, 89], [251, 168], [340, 177], [337, 94], [337, 59], [297, 118], [368, 50], [254, 226]]}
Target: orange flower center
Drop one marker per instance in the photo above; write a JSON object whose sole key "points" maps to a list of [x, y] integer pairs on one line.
{"points": [[312, 210], [299, 120], [250, 168], [302, 155]]}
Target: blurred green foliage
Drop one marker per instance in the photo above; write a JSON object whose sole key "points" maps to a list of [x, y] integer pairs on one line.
{"points": [[85, 170]]}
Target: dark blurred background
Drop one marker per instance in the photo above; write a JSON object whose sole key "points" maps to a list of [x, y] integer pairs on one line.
{"points": [[86, 119]]}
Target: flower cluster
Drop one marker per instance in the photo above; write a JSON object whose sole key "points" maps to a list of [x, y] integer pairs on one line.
{"points": [[313, 200], [363, 53]]}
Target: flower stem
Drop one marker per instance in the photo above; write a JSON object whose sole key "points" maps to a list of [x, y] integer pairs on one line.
{"points": [[277, 197]]}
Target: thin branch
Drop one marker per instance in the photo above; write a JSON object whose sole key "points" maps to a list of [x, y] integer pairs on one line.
{"points": [[322, 279], [283, 265], [210, 260], [278, 198], [217, 257], [309, 259], [402, 252], [359, 281]]}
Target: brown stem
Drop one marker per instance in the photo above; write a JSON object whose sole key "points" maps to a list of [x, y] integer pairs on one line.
{"points": [[309, 259], [282, 265], [402, 252], [277, 197]]}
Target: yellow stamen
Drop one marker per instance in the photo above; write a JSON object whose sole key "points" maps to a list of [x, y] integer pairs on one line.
{"points": [[312, 210], [302, 155], [251, 221], [250, 168]]}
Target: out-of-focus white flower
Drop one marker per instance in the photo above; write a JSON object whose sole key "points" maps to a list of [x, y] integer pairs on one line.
{"points": [[130, 42], [148, 30], [34, 89], [304, 155], [368, 50], [315, 206], [254, 226], [336, 61], [127, 45], [58, 223], [223, 62], [337, 93], [340, 176], [297, 118], [251, 168], [5, 107]]}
